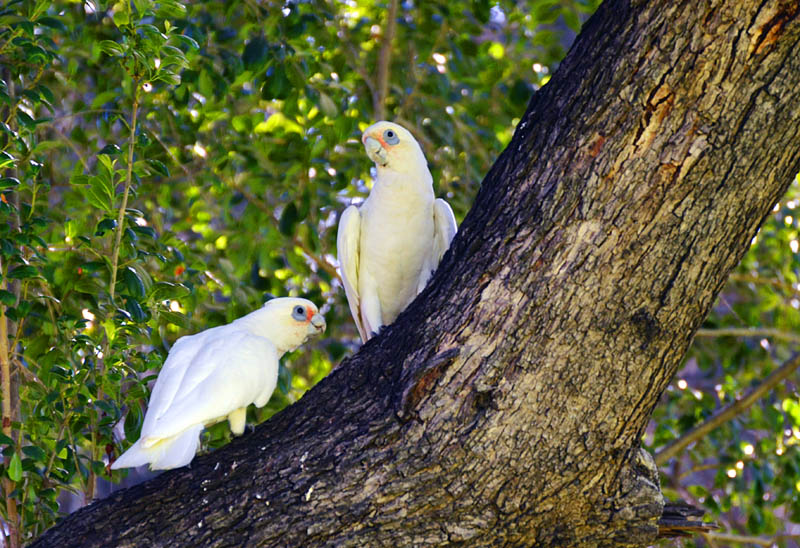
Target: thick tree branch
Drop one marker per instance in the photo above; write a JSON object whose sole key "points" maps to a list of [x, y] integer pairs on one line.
{"points": [[729, 412]]}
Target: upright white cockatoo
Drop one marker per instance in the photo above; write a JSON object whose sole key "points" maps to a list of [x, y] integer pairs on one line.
{"points": [[389, 247], [214, 375]]}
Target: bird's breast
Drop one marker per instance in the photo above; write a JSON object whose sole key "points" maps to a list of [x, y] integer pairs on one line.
{"points": [[396, 240]]}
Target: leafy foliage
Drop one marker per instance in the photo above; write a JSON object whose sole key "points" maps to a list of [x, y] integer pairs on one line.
{"points": [[167, 167]]}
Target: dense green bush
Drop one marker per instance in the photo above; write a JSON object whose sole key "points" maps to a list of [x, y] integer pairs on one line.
{"points": [[166, 168]]}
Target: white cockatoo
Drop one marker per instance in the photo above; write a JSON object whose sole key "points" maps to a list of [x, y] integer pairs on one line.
{"points": [[214, 375], [389, 247]]}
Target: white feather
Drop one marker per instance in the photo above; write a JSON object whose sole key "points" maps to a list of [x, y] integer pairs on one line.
{"points": [[389, 247], [214, 375]]}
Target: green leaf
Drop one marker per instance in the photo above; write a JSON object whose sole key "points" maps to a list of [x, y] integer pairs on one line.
{"points": [[175, 318], [104, 226], [105, 97], [289, 218], [255, 53], [135, 310], [6, 160], [7, 297], [15, 468], [327, 106], [170, 9], [24, 120], [121, 16], [5, 440], [110, 148], [133, 282], [277, 85], [133, 422], [142, 7], [53, 23], [159, 167], [111, 48], [22, 272], [187, 40], [34, 452], [8, 182], [163, 291], [100, 193]]}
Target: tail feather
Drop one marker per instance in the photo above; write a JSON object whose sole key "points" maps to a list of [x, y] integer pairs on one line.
{"points": [[164, 454]]}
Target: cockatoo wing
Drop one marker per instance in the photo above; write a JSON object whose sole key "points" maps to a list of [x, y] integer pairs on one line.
{"points": [[217, 375], [444, 228], [347, 249]]}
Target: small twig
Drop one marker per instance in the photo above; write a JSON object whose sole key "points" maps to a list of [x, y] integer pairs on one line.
{"points": [[80, 113], [125, 192], [410, 96], [729, 412], [749, 332], [698, 468], [744, 539], [750, 279], [169, 152], [385, 63]]}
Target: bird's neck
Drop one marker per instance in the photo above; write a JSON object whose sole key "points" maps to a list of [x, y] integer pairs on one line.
{"points": [[416, 176], [258, 323]]}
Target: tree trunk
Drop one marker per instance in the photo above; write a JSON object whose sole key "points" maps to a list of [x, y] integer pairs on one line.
{"points": [[506, 405]]}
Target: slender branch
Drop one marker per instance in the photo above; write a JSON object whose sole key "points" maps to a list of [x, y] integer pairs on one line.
{"points": [[744, 539], [5, 367], [125, 192], [172, 157], [351, 55], [758, 280], [698, 468], [411, 96], [384, 63], [92, 485], [727, 413], [749, 332], [80, 113], [72, 145]]}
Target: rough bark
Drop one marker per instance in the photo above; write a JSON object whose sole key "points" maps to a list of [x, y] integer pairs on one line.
{"points": [[505, 406]]}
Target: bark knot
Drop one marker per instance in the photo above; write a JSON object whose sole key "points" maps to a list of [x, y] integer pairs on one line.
{"points": [[422, 382], [646, 326]]}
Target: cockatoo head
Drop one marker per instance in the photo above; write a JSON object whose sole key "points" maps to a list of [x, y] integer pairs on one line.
{"points": [[392, 146], [288, 322]]}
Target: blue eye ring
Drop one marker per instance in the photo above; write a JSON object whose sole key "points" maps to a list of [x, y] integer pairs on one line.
{"points": [[390, 137], [299, 313]]}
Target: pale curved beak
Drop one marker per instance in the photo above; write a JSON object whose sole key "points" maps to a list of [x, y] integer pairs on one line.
{"points": [[375, 151], [318, 322]]}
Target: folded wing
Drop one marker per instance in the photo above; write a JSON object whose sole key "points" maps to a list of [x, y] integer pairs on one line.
{"points": [[347, 249]]}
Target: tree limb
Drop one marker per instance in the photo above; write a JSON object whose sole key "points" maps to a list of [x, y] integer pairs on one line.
{"points": [[729, 412]]}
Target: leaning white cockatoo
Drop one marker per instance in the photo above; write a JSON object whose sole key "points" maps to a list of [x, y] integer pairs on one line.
{"points": [[389, 247], [214, 375]]}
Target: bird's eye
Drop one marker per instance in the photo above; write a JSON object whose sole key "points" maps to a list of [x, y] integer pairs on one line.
{"points": [[390, 137], [299, 313]]}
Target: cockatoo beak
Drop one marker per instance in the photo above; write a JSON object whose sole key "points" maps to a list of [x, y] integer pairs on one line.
{"points": [[375, 151], [318, 324]]}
